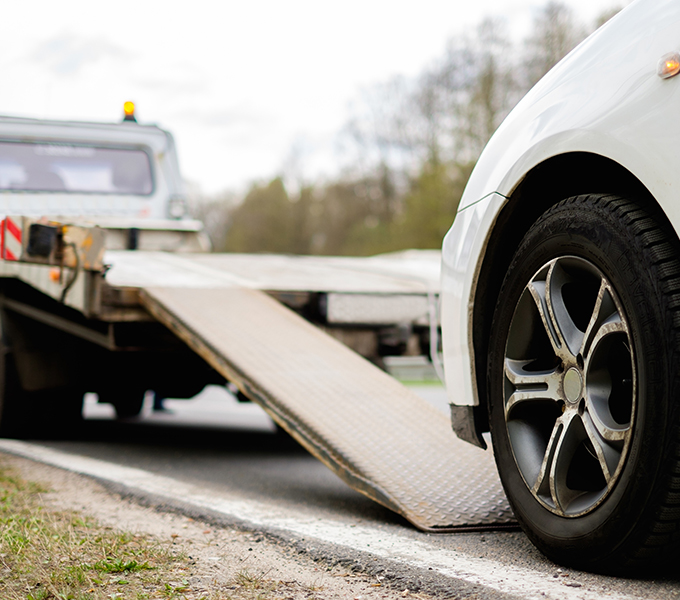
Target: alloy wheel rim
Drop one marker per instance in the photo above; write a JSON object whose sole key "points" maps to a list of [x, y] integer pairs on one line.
{"points": [[569, 386]]}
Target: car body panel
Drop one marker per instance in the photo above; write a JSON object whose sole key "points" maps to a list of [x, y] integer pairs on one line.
{"points": [[605, 98]]}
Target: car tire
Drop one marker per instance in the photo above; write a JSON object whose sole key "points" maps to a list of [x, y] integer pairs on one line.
{"points": [[583, 371]]}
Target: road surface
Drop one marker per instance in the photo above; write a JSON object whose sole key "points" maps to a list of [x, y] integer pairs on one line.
{"points": [[218, 458]]}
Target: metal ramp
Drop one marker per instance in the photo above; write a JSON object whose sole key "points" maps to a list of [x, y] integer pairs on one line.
{"points": [[374, 433]]}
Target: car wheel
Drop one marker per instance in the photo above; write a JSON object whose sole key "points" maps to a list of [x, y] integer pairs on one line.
{"points": [[583, 385]]}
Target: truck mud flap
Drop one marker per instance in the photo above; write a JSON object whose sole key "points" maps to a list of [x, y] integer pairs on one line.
{"points": [[374, 433]]}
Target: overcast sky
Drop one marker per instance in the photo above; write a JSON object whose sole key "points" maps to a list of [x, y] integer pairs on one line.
{"points": [[239, 83]]}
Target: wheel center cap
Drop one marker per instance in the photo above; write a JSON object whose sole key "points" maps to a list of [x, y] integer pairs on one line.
{"points": [[573, 384]]}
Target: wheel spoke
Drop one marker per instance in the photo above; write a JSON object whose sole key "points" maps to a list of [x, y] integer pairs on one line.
{"points": [[568, 333], [542, 484], [537, 289], [530, 385], [569, 386], [613, 324], [603, 310], [604, 427], [565, 447], [603, 377], [607, 455]]}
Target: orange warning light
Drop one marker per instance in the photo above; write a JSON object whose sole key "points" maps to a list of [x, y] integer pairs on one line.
{"points": [[129, 110], [55, 275], [669, 65]]}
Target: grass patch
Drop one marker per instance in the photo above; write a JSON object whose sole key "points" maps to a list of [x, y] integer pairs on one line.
{"points": [[59, 555], [47, 555], [120, 565], [435, 383]]}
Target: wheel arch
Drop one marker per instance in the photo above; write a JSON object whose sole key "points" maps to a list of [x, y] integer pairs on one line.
{"points": [[545, 185]]}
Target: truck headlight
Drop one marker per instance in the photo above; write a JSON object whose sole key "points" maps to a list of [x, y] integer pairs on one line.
{"points": [[177, 207]]}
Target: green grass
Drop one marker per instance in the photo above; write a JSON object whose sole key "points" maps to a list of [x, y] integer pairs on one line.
{"points": [[63, 556], [59, 555]]}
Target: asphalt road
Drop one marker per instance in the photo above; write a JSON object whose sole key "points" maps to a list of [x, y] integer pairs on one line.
{"points": [[225, 445], [233, 451]]}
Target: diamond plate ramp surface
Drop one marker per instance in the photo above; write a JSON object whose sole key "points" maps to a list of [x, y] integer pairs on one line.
{"points": [[378, 436]]}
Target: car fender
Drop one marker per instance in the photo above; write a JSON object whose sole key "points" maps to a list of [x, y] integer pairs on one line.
{"points": [[604, 99]]}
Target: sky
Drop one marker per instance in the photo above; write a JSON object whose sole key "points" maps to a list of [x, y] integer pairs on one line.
{"points": [[243, 85]]}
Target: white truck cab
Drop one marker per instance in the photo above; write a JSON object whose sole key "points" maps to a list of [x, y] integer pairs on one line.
{"points": [[123, 177], [70, 168]]}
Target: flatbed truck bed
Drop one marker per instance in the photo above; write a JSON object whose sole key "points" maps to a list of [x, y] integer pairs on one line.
{"points": [[114, 292], [272, 326]]}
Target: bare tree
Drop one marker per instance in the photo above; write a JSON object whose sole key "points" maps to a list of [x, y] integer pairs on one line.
{"points": [[382, 129], [555, 33], [214, 211], [483, 88], [447, 113], [414, 142], [606, 15]]}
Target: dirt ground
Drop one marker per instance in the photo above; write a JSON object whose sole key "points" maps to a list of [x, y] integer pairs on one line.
{"points": [[216, 556]]}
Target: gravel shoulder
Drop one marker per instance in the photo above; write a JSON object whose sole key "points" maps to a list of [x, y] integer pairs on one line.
{"points": [[218, 561]]}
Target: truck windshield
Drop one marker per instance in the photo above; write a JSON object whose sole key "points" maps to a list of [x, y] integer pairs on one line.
{"points": [[48, 167]]}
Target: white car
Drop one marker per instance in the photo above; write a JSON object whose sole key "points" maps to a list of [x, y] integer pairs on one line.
{"points": [[561, 299]]}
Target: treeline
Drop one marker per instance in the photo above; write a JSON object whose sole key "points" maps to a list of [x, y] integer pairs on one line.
{"points": [[413, 143]]}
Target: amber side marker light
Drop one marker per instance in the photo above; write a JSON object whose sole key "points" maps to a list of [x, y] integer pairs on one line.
{"points": [[129, 110], [669, 65]]}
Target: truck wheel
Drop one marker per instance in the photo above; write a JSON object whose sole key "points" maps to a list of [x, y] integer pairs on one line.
{"points": [[60, 411], [48, 413], [583, 385], [14, 413], [127, 402]]}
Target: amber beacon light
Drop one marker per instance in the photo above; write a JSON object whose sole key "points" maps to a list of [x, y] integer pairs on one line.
{"points": [[129, 110], [669, 65]]}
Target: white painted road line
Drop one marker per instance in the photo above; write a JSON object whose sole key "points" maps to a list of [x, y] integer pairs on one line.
{"points": [[526, 583]]}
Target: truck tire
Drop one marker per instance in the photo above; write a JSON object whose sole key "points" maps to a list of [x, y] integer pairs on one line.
{"points": [[48, 413], [14, 412], [127, 401], [583, 376], [59, 410], [53, 411]]}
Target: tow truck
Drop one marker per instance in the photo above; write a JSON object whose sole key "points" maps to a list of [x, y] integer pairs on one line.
{"points": [[108, 287]]}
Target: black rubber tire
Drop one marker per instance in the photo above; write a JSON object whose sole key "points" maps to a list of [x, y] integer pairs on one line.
{"points": [[635, 526], [14, 409], [54, 413], [127, 401], [59, 410]]}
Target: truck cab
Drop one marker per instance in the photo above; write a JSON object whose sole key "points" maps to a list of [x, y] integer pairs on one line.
{"points": [[123, 177], [89, 169]]}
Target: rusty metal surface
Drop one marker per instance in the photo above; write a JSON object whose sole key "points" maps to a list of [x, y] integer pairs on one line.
{"points": [[377, 435]]}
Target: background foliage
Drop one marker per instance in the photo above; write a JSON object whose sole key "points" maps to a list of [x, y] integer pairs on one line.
{"points": [[413, 143]]}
